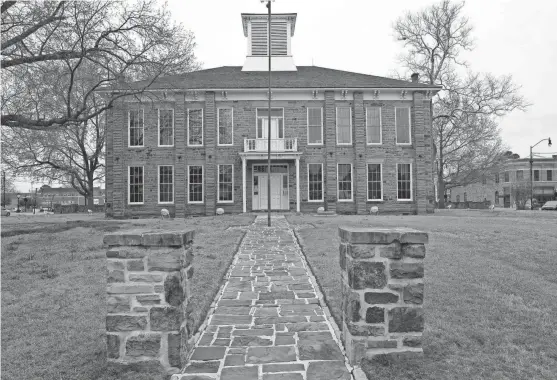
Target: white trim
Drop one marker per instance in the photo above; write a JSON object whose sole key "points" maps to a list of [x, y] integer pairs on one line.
{"points": [[159, 127], [380, 182], [307, 128], [218, 125], [142, 128], [411, 182], [253, 174], [202, 185], [388, 89], [322, 178], [218, 183], [202, 127], [380, 126], [244, 195], [336, 126], [409, 127], [142, 185], [159, 185], [351, 184], [272, 117]]}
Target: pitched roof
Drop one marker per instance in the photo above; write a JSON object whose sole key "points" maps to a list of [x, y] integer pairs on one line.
{"points": [[229, 77]]}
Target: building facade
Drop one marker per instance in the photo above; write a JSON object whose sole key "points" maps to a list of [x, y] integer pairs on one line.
{"points": [[344, 141]]}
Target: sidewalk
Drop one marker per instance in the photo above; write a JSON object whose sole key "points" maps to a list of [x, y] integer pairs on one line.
{"points": [[268, 323]]}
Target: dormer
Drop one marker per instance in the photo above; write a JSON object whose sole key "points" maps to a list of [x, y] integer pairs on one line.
{"points": [[256, 30]]}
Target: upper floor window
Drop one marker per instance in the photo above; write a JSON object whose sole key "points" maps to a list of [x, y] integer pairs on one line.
{"points": [[549, 175], [315, 126], [195, 127], [496, 177], [519, 175], [277, 123], [374, 188], [166, 184], [344, 125], [402, 125], [344, 182], [404, 182], [373, 125], [166, 127], [536, 175], [484, 180], [226, 128], [507, 179], [465, 197], [135, 127], [135, 184]]}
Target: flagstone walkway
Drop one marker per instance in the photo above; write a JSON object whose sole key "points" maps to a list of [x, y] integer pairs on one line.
{"points": [[268, 324]]}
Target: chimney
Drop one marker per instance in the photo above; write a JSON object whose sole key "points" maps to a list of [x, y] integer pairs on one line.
{"points": [[415, 77]]}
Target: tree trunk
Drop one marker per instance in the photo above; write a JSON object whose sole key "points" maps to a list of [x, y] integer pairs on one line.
{"points": [[441, 189], [90, 199]]}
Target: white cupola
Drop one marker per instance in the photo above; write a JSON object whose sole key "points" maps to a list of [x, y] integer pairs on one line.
{"points": [[256, 30]]}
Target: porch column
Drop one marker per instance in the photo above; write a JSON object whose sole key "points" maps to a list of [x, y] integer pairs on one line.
{"points": [[244, 183], [298, 184]]}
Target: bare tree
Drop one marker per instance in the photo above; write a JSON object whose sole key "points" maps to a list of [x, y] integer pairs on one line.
{"points": [[521, 193], [465, 130]]}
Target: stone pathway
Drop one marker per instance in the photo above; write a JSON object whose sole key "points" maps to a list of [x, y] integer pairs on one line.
{"points": [[268, 323]]}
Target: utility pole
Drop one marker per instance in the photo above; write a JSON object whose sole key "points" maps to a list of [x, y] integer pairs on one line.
{"points": [[4, 185], [269, 120]]}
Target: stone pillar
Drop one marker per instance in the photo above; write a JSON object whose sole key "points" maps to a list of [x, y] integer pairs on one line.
{"points": [[382, 274], [147, 324]]}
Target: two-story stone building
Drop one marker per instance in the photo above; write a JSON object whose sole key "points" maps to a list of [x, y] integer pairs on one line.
{"points": [[342, 140]]}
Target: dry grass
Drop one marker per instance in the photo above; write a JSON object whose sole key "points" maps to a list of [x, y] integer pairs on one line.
{"points": [[490, 296]]}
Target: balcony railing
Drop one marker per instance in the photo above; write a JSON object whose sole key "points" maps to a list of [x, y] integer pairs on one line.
{"points": [[277, 145]]}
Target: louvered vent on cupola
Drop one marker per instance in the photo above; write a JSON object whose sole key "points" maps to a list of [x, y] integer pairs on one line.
{"points": [[260, 38]]}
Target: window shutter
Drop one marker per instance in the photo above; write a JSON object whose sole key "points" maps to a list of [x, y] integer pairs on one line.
{"points": [[278, 38], [259, 38]]}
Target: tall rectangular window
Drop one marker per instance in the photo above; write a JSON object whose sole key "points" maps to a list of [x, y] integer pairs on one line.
{"points": [[374, 189], [549, 175], [373, 125], [277, 123], [135, 127], [402, 124], [166, 184], [484, 180], [135, 185], [315, 182], [519, 175], [344, 125], [195, 127], [226, 128], [315, 126], [507, 178], [404, 182], [344, 179], [496, 177], [536, 175], [195, 184], [166, 127], [226, 183]]}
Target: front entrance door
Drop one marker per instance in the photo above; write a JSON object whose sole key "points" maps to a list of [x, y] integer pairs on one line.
{"points": [[279, 188]]}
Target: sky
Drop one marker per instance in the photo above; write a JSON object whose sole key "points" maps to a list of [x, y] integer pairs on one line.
{"points": [[356, 35]]}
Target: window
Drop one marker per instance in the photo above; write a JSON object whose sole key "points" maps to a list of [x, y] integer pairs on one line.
{"points": [[344, 125], [484, 180], [497, 178], [315, 182], [135, 185], [315, 126], [166, 184], [404, 182], [195, 184], [344, 178], [226, 128], [277, 121], [549, 175], [373, 125], [465, 197], [135, 127], [195, 127], [226, 183], [496, 197], [374, 190], [536, 175], [458, 198], [519, 175], [507, 177], [402, 124], [166, 127]]}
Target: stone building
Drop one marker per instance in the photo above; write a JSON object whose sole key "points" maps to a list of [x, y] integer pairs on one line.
{"points": [[341, 140]]}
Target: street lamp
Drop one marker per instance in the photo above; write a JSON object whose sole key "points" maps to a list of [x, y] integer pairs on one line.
{"points": [[18, 196], [532, 170]]}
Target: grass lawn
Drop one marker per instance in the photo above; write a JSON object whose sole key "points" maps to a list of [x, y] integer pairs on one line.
{"points": [[54, 290], [490, 291]]}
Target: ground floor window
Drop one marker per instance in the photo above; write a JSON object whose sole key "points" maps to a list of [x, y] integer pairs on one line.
{"points": [[195, 183], [404, 182], [344, 182], [135, 188], [166, 184], [496, 197], [374, 191], [226, 183], [315, 182]]}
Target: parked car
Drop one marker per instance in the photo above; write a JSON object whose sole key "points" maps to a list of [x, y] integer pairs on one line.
{"points": [[536, 204], [551, 205], [42, 209], [5, 212]]}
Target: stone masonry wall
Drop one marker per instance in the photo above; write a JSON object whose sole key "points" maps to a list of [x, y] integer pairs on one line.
{"points": [[382, 274], [148, 289]]}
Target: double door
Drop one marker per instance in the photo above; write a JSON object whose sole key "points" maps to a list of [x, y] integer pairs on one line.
{"points": [[278, 191]]}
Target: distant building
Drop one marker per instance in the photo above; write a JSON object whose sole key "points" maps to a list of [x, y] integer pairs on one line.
{"points": [[66, 195]]}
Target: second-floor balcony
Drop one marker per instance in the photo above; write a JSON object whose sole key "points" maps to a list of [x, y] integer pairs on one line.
{"points": [[277, 145]]}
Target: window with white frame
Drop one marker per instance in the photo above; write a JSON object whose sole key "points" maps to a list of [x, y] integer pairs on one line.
{"points": [[315, 182], [226, 183], [507, 177], [315, 126], [344, 125], [226, 129], [277, 123], [166, 127], [195, 184], [373, 125], [549, 175], [135, 185], [536, 175], [404, 182], [374, 188], [344, 179], [135, 127], [195, 127], [166, 184], [402, 124]]}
